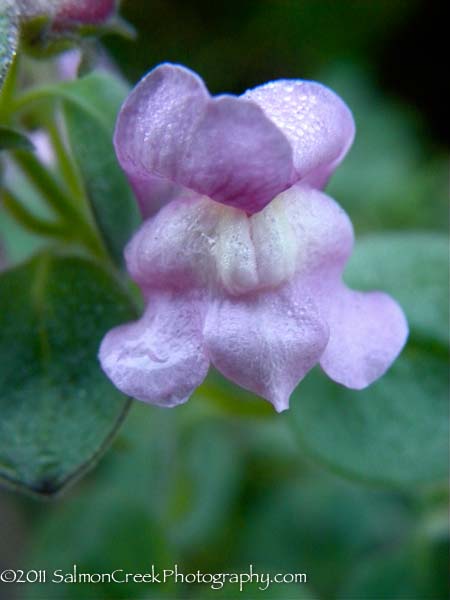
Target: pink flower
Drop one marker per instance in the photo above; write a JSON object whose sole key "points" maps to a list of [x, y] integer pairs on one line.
{"points": [[73, 13], [49, 26], [241, 255], [67, 14]]}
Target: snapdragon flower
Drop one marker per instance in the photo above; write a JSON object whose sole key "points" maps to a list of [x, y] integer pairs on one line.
{"points": [[240, 256]]}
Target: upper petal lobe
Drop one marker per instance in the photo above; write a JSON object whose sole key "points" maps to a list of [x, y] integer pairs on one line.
{"points": [[317, 123], [225, 147]]}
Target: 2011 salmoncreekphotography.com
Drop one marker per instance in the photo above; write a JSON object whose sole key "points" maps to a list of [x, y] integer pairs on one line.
{"points": [[154, 576]]}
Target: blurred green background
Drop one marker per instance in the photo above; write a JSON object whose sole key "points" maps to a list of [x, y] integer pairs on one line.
{"points": [[347, 487]]}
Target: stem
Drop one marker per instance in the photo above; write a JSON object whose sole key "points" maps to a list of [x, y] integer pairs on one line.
{"points": [[27, 219], [48, 93], [80, 220], [8, 89], [61, 203], [43, 181], [68, 170], [34, 95], [71, 176]]}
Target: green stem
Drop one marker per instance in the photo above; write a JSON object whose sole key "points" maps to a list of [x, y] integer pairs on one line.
{"points": [[28, 98], [60, 202], [8, 90], [46, 184], [71, 177], [78, 216], [67, 168], [49, 93], [27, 219]]}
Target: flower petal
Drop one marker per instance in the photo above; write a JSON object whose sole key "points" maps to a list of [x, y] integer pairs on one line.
{"points": [[265, 342], [317, 123], [159, 359], [225, 147], [367, 330], [194, 241], [367, 333], [153, 193], [323, 231], [172, 250]]}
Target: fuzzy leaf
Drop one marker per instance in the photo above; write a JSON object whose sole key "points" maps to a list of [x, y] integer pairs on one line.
{"points": [[58, 411], [9, 36], [91, 105], [396, 431]]}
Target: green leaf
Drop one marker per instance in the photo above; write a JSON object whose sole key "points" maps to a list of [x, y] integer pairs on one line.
{"points": [[98, 94], [319, 525], [58, 411], [112, 201], [9, 36], [90, 521], [11, 139], [206, 484], [413, 267], [396, 431], [91, 105], [400, 573]]}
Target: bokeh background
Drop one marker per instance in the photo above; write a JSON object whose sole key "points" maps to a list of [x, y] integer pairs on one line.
{"points": [[348, 488]]}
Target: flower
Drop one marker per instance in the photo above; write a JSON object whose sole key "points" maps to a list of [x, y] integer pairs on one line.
{"points": [[51, 26], [75, 13], [241, 254], [67, 14]]}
